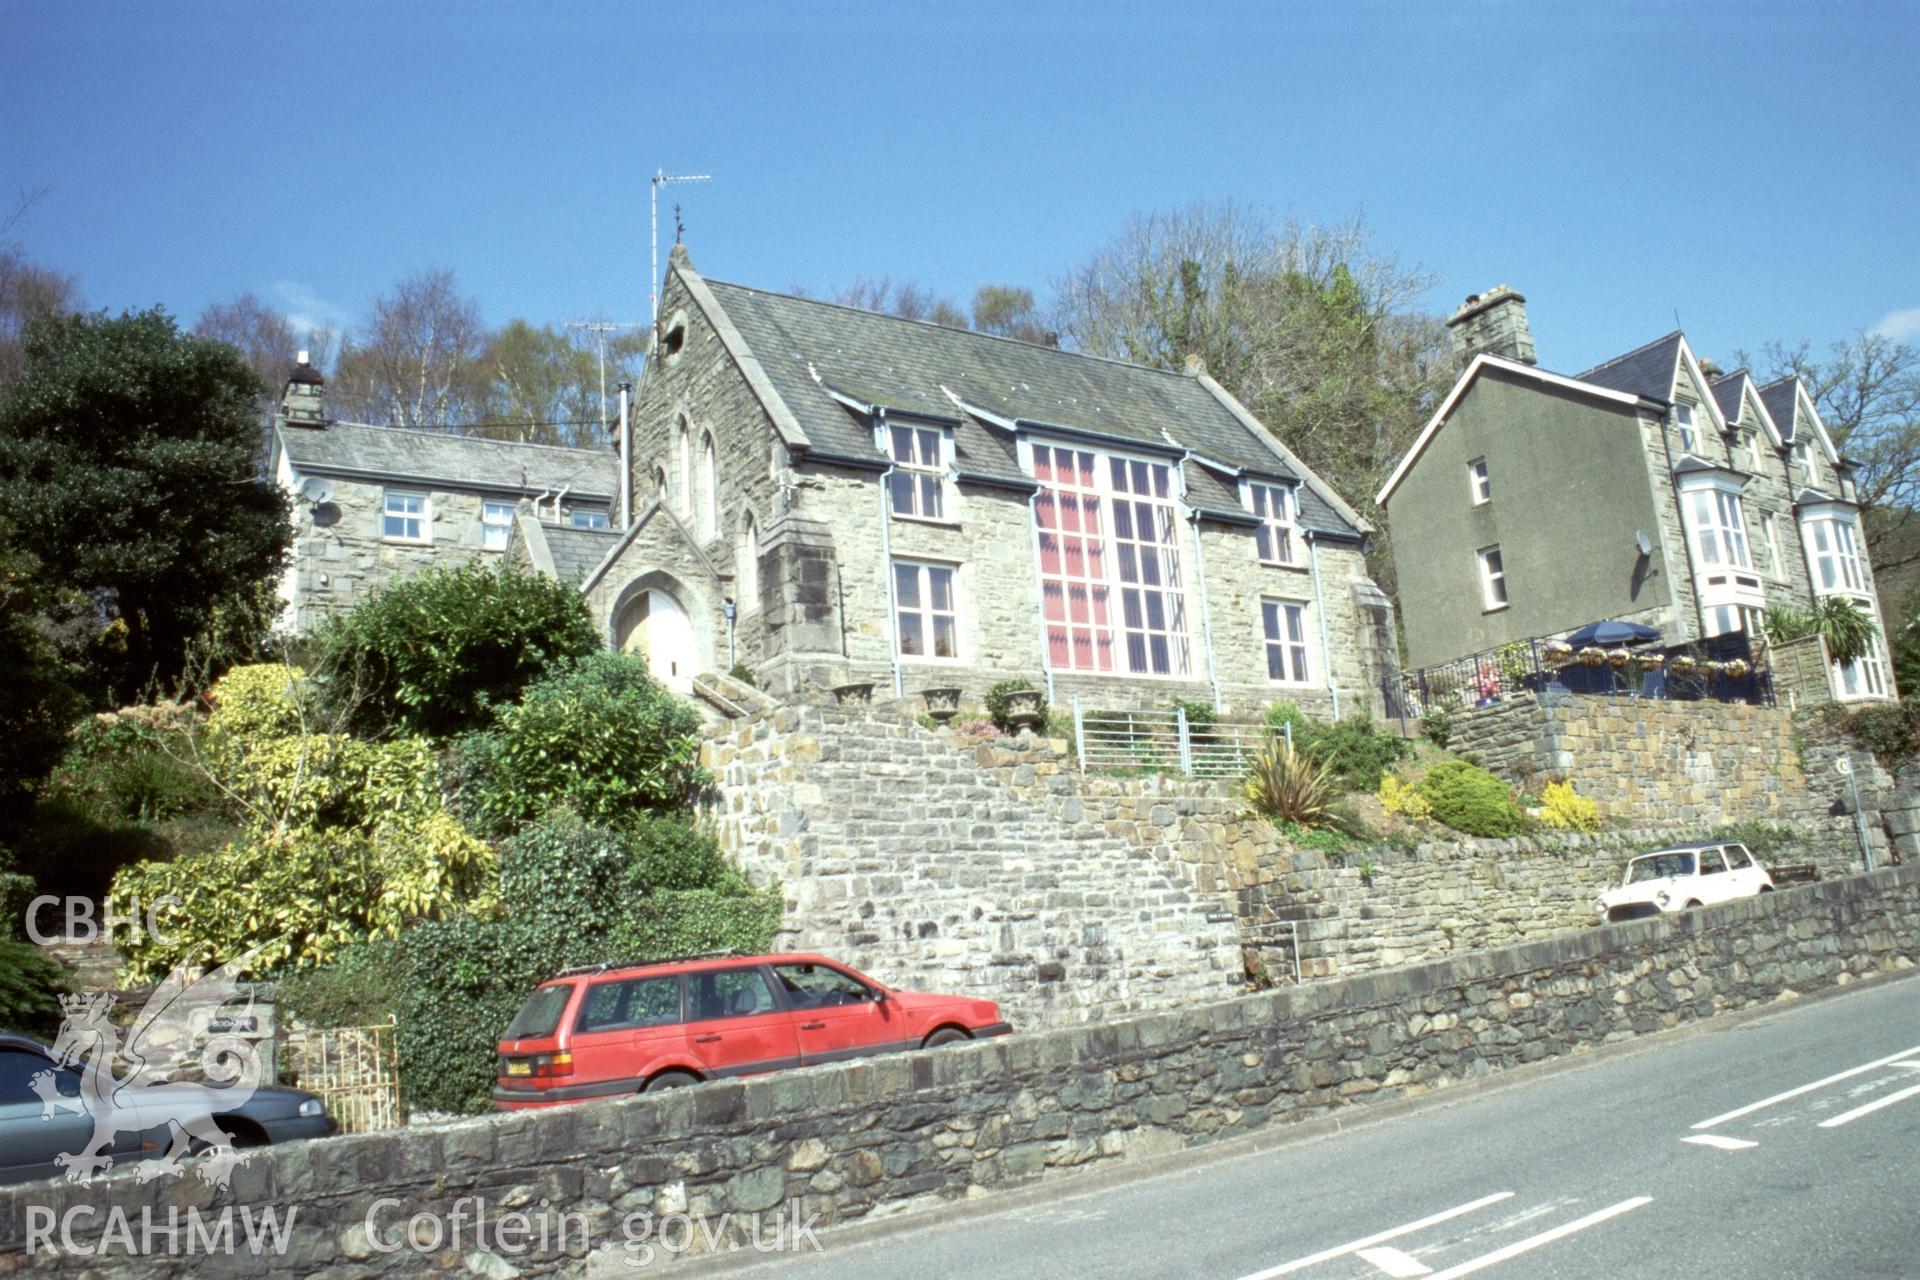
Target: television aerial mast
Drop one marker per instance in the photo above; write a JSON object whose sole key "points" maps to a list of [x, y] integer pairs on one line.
{"points": [[600, 329], [660, 179]]}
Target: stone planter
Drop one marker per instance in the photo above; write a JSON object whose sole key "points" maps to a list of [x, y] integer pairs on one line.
{"points": [[854, 694], [1023, 709], [942, 704]]}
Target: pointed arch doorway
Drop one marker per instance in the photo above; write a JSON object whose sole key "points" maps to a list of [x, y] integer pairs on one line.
{"points": [[656, 626]]}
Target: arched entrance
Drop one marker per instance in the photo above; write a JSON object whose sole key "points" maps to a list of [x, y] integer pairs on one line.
{"points": [[657, 627]]}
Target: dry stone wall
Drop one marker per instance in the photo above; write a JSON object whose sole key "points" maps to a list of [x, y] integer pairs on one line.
{"points": [[853, 1140]]}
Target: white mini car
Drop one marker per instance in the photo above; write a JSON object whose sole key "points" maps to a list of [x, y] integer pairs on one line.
{"points": [[1689, 875]]}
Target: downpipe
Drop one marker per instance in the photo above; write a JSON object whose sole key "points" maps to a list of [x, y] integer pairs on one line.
{"points": [[1320, 608]]}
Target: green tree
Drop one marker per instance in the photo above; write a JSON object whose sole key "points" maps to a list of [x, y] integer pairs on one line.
{"points": [[434, 653], [127, 469], [543, 385], [1315, 329]]}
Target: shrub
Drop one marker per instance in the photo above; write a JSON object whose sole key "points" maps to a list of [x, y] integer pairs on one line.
{"points": [[996, 701], [463, 979], [30, 989], [264, 700], [326, 781], [16, 891], [1401, 798], [603, 737], [1565, 810], [564, 874], [1289, 784], [1358, 752], [1468, 798], [303, 896], [1437, 726], [1890, 730], [359, 987], [434, 653], [744, 674]]}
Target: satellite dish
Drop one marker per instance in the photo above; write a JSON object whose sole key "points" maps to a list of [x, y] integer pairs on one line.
{"points": [[316, 491], [1641, 540]]}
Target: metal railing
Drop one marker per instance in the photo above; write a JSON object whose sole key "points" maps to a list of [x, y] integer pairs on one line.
{"points": [[1723, 668], [1165, 742], [355, 1073]]}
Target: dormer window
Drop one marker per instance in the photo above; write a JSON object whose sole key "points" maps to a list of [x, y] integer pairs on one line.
{"points": [[1683, 419], [918, 486], [1479, 484], [1279, 510], [1754, 456]]}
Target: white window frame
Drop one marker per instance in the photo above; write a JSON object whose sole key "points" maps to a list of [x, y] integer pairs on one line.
{"points": [[1479, 482], [1493, 578], [922, 573], [495, 517], [1278, 536], [1683, 422], [1717, 524], [574, 518], [1866, 676], [423, 517], [921, 480], [1106, 627], [1770, 526], [1833, 544], [1283, 623]]}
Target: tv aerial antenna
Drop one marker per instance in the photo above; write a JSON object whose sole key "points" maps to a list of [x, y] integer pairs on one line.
{"points": [[600, 329], [660, 179]]}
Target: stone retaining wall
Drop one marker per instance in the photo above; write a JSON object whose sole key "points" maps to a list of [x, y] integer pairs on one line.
{"points": [[1695, 761], [852, 1140]]}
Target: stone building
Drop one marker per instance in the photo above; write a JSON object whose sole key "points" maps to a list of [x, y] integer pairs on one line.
{"points": [[831, 496], [1649, 488], [371, 504]]}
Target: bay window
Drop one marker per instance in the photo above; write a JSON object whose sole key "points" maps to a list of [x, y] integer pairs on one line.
{"points": [[1718, 529], [1113, 596], [1833, 546]]}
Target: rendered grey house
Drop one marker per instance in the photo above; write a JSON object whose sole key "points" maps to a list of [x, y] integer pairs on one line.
{"points": [[831, 496], [1644, 489], [371, 504]]}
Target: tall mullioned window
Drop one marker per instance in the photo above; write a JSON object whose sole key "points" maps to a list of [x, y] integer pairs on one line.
{"points": [[917, 488], [1112, 592], [926, 621], [1279, 510], [1285, 622]]}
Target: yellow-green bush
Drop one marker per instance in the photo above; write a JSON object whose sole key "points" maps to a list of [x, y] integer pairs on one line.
{"points": [[1468, 798], [1564, 809], [327, 780], [304, 895], [263, 700], [1403, 798]]}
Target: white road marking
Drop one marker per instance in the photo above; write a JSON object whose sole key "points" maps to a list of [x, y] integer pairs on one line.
{"points": [[1871, 1107], [1394, 1263], [1807, 1088], [1367, 1242], [1519, 1247], [1719, 1143]]}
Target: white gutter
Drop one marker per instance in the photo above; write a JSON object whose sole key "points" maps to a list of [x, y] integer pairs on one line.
{"points": [[1320, 607], [626, 458]]}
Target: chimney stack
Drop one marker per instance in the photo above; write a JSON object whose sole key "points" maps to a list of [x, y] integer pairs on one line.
{"points": [[304, 403], [1494, 322]]}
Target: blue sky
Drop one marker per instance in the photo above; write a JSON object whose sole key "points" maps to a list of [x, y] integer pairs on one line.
{"points": [[1754, 168]]}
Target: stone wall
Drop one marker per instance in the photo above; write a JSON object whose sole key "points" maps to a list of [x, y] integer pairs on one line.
{"points": [[914, 1130], [1703, 762], [900, 855]]}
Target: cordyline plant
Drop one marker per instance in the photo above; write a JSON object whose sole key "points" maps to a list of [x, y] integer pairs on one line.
{"points": [[1290, 784], [1847, 628]]}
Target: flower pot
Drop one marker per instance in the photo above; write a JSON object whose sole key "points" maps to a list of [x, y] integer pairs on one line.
{"points": [[942, 704], [1681, 666], [1592, 656], [1023, 708], [850, 694], [1619, 659]]}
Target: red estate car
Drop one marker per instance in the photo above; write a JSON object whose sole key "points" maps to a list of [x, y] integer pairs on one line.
{"points": [[604, 1030]]}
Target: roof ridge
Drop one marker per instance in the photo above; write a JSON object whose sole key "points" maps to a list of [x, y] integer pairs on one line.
{"points": [[948, 328], [1627, 355], [441, 433]]}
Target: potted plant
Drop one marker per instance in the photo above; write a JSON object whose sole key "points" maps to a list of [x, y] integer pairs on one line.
{"points": [[1592, 656], [858, 692], [1619, 659], [942, 704], [1015, 705], [1023, 708], [1735, 670], [1556, 654], [1680, 665]]}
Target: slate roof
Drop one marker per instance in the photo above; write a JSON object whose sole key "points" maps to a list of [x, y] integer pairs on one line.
{"points": [[1644, 371], [354, 449], [1778, 397], [577, 552], [1726, 394], [903, 365]]}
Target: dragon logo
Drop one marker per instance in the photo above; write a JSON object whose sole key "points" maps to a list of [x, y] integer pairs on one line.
{"points": [[149, 1096]]}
